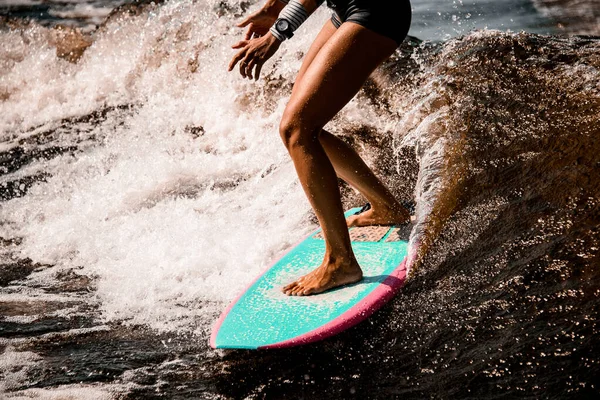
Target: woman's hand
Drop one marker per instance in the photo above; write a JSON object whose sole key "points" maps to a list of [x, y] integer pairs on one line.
{"points": [[253, 54], [258, 23]]}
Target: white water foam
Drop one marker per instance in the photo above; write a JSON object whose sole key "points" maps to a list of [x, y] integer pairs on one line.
{"points": [[168, 223], [176, 202], [94, 14], [14, 367], [72, 392]]}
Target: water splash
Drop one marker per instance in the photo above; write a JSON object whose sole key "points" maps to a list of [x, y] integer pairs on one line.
{"points": [[145, 186]]}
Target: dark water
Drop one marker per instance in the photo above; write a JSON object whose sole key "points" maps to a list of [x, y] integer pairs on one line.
{"points": [[117, 188], [432, 19], [85, 14]]}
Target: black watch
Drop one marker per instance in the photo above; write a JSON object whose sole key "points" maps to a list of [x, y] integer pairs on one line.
{"points": [[283, 26]]}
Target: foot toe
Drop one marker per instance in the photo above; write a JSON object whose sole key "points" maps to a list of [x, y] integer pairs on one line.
{"points": [[290, 288], [297, 290], [291, 285]]}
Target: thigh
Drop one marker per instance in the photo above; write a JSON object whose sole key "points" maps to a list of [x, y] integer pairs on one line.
{"points": [[326, 32], [336, 73]]}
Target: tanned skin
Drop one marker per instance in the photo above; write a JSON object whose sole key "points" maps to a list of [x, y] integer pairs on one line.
{"points": [[333, 71]]}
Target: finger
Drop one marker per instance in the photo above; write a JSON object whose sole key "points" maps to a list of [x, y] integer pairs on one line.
{"points": [[250, 67], [257, 72], [244, 64], [236, 58], [246, 21], [243, 68], [249, 32], [239, 44]]}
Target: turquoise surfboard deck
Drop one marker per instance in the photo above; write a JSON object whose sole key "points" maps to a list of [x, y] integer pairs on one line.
{"points": [[264, 317]]}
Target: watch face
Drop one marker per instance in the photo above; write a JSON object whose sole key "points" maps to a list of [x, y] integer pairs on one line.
{"points": [[282, 25]]}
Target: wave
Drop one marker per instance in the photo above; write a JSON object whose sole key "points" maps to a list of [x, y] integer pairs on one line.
{"points": [[144, 186], [580, 17]]}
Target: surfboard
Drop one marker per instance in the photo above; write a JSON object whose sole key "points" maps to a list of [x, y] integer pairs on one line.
{"points": [[262, 317]]}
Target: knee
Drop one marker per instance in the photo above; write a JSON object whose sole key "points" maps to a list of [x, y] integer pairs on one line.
{"points": [[294, 132]]}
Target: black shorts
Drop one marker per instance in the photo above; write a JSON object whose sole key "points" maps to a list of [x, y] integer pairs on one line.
{"points": [[390, 18]]}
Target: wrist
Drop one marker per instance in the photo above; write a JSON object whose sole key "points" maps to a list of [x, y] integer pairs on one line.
{"points": [[289, 20], [272, 39]]}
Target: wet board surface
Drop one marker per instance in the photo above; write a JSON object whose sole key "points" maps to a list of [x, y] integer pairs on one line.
{"points": [[263, 317]]}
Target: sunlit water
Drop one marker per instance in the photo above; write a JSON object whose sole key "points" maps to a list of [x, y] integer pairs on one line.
{"points": [[143, 187]]}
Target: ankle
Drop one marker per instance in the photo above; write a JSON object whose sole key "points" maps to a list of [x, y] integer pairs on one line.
{"points": [[386, 208], [397, 209], [339, 259]]}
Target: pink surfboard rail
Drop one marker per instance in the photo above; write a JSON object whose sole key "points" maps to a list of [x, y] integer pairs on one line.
{"points": [[361, 311]]}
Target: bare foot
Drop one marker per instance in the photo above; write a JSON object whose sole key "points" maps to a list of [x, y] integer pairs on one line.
{"points": [[379, 216], [328, 275]]}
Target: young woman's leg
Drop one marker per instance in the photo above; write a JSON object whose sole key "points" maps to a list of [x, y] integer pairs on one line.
{"points": [[326, 32], [333, 77], [385, 209]]}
